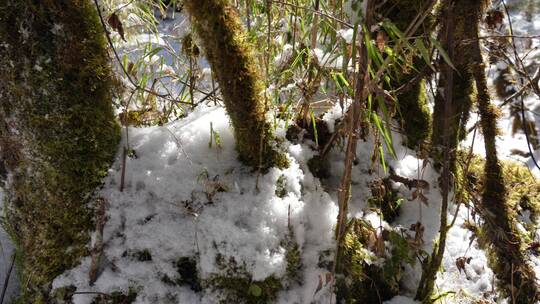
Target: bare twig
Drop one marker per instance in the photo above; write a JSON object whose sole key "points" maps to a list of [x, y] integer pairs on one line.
{"points": [[128, 76], [531, 83], [123, 172], [317, 12]]}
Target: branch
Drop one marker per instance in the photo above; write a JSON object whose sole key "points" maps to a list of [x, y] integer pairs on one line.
{"points": [[128, 76]]}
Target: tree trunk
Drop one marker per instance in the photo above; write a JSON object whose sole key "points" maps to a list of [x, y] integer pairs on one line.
{"points": [[413, 113], [508, 260], [432, 264], [464, 19], [232, 59], [57, 132]]}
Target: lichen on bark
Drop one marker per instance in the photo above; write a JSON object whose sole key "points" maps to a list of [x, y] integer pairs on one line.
{"points": [[232, 59], [57, 132]]}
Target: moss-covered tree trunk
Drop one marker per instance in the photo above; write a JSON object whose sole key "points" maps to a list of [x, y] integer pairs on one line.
{"points": [[464, 19], [414, 114], [233, 61], [508, 259], [57, 132]]}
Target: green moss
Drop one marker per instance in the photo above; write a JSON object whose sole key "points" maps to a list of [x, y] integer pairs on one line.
{"points": [[281, 186], [415, 115], [504, 243], [117, 297], [464, 21], [361, 280], [236, 285], [57, 92], [293, 256]]}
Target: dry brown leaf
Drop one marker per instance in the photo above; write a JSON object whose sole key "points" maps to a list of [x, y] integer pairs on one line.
{"points": [[116, 25], [418, 229], [381, 40], [460, 263]]}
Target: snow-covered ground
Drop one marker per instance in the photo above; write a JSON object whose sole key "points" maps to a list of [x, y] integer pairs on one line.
{"points": [[183, 198]]}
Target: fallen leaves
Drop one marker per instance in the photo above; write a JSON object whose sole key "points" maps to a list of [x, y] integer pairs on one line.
{"points": [[116, 25], [461, 262]]}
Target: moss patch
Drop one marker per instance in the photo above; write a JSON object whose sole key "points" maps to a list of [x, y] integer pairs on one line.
{"points": [[236, 285], [521, 188], [362, 281], [117, 297]]}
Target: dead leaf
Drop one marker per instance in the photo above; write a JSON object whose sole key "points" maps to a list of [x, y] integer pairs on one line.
{"points": [[131, 69], [320, 285], [381, 40], [418, 229], [460, 263], [328, 277], [379, 248], [414, 195], [494, 18], [534, 247], [116, 25]]}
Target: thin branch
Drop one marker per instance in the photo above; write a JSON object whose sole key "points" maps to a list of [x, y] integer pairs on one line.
{"points": [[128, 76], [344, 23], [531, 83]]}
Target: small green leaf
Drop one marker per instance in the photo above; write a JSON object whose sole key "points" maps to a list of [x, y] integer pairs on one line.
{"points": [[383, 161], [255, 290], [424, 52], [443, 53], [315, 128]]}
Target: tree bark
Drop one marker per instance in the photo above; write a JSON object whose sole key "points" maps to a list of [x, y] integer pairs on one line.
{"points": [[57, 132], [508, 260], [464, 19], [232, 59]]}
